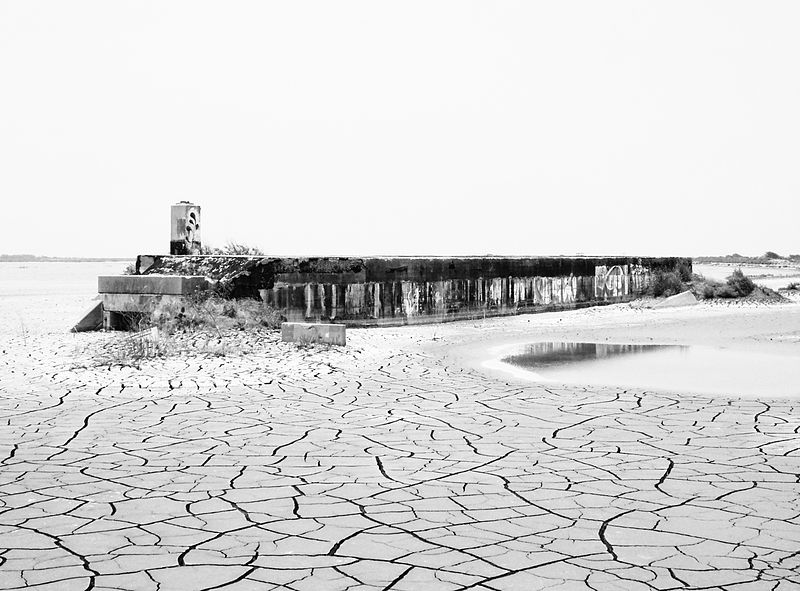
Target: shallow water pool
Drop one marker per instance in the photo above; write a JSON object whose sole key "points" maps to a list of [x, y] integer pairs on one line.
{"points": [[692, 369]]}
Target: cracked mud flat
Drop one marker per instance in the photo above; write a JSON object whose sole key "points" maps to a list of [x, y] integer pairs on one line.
{"points": [[394, 463]]}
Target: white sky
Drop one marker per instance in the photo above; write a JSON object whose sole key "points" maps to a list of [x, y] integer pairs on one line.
{"points": [[347, 128]]}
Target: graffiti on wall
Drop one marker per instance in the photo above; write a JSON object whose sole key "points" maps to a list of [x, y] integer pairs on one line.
{"points": [[496, 289], [411, 292], [192, 227], [413, 300], [611, 282], [640, 278], [542, 291], [569, 289], [354, 299], [185, 232]]}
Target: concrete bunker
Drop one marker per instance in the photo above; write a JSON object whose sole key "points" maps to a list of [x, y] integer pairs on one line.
{"points": [[376, 291]]}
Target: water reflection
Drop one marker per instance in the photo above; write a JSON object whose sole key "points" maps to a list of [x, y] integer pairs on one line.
{"points": [[548, 354], [695, 369]]}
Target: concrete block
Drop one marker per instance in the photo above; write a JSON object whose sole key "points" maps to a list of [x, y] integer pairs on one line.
{"points": [[682, 299], [138, 302], [93, 320], [300, 332], [152, 284]]}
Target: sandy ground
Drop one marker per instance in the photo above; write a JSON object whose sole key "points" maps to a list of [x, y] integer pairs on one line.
{"points": [[48, 297], [397, 462]]}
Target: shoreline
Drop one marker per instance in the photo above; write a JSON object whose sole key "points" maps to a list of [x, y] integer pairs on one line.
{"points": [[772, 327]]}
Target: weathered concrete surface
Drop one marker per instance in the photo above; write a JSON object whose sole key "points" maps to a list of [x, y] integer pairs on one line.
{"points": [[381, 466], [123, 302], [92, 320], [124, 297], [682, 299], [391, 291], [151, 284], [300, 332]]}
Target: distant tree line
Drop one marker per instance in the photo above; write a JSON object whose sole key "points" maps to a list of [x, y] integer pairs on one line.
{"points": [[739, 259], [32, 258]]}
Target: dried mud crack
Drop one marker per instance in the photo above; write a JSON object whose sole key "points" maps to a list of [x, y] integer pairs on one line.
{"points": [[373, 468]]}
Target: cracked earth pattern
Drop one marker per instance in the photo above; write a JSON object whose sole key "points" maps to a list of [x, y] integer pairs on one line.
{"points": [[371, 468]]}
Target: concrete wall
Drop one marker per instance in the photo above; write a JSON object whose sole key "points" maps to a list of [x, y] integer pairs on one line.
{"points": [[381, 291]]}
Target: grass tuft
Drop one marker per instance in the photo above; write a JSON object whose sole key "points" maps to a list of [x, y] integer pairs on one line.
{"points": [[202, 323], [666, 284]]}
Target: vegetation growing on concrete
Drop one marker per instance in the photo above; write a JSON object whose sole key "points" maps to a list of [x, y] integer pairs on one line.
{"points": [[243, 276], [232, 248], [208, 311]]}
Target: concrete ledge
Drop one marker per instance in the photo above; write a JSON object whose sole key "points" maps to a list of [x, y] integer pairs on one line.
{"points": [[137, 302], [151, 284], [298, 332]]}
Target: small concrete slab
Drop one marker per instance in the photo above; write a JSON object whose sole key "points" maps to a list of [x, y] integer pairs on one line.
{"points": [[682, 299], [300, 332], [152, 284]]}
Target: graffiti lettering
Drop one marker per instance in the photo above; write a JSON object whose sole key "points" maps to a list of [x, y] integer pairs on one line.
{"points": [[611, 283], [569, 289]]}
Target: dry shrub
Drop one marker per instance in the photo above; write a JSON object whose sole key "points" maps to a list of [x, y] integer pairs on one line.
{"points": [[666, 283], [250, 313], [198, 324], [684, 271], [737, 285], [232, 248], [208, 311], [740, 284], [131, 348], [669, 283]]}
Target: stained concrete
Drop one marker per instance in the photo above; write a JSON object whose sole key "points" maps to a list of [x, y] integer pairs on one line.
{"points": [[138, 302], [92, 320], [328, 334], [126, 297], [151, 284], [391, 291]]}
